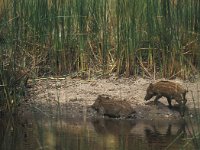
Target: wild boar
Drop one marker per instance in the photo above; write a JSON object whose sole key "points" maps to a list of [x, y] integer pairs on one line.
{"points": [[107, 106], [168, 89]]}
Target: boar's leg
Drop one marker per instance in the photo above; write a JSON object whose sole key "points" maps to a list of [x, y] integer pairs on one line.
{"points": [[181, 100], [169, 102], [184, 101], [156, 99]]}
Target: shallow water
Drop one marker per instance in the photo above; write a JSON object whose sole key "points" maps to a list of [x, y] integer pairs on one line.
{"points": [[40, 132]]}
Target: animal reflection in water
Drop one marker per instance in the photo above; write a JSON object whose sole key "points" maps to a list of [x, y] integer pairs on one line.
{"points": [[158, 140], [113, 126]]}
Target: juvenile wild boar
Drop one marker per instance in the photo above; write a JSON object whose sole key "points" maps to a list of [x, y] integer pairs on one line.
{"points": [[168, 89], [107, 106]]}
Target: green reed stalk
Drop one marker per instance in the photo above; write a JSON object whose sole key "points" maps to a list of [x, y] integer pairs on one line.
{"points": [[57, 37], [89, 31]]}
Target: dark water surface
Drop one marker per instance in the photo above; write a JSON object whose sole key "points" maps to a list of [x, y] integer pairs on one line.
{"points": [[40, 132]]}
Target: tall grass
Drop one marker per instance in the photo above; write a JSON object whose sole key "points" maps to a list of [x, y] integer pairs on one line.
{"points": [[116, 36], [57, 37]]}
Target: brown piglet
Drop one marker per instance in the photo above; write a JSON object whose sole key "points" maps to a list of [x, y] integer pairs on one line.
{"points": [[168, 89]]}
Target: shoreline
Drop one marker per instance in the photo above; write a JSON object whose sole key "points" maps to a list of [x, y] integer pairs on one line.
{"points": [[73, 97]]}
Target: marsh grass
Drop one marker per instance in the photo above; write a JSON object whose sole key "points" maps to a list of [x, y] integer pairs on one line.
{"points": [[192, 124], [59, 37]]}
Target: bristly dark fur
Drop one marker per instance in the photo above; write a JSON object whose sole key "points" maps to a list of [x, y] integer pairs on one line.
{"points": [[107, 106], [168, 89]]}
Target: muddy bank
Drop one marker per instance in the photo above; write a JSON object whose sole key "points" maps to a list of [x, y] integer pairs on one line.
{"points": [[72, 98]]}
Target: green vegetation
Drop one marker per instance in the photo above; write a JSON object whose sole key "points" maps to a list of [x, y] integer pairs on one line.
{"points": [[149, 38], [194, 122]]}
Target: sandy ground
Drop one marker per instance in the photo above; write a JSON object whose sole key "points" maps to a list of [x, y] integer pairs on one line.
{"points": [[72, 97]]}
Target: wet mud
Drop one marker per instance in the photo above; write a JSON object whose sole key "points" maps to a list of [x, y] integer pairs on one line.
{"points": [[73, 98]]}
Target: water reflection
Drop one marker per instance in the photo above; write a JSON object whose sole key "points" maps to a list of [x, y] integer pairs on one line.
{"points": [[39, 132], [113, 126], [114, 133], [14, 133], [157, 139]]}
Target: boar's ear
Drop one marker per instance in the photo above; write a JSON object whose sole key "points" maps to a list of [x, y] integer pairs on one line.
{"points": [[150, 85]]}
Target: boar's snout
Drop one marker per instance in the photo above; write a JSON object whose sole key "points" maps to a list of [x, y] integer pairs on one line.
{"points": [[148, 97], [150, 93]]}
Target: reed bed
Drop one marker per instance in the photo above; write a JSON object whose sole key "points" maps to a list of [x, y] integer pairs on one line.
{"points": [[59, 37]]}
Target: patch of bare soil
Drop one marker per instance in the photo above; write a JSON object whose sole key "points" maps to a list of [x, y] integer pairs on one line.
{"points": [[73, 97]]}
